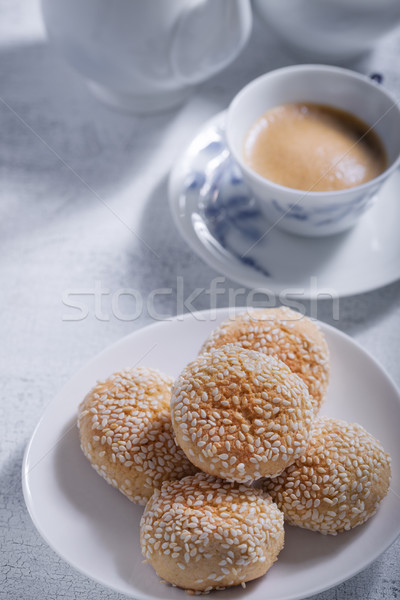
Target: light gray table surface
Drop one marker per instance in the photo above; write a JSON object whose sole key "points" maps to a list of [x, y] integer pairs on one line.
{"points": [[83, 203]]}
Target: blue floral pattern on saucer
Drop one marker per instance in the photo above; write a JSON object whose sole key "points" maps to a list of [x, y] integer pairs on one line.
{"points": [[225, 225], [232, 215]]}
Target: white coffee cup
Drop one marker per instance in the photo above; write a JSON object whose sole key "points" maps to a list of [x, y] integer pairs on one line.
{"points": [[306, 212], [146, 55]]}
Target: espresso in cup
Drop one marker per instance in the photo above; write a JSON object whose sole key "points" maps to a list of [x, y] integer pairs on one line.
{"points": [[314, 147]]}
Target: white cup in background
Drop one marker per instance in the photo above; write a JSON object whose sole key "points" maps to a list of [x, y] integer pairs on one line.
{"points": [[147, 55]]}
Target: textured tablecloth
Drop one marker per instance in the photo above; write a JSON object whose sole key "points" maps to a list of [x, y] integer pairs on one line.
{"points": [[63, 158]]}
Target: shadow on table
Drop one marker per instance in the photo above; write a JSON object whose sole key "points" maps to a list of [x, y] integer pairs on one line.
{"points": [[357, 314], [174, 267], [58, 139], [10, 483], [176, 259]]}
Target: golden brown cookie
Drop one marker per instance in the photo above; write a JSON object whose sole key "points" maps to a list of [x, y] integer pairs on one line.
{"points": [[126, 432], [241, 415], [284, 333], [338, 483], [202, 533]]}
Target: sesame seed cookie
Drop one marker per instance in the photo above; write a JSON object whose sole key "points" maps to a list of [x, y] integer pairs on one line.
{"points": [[338, 484], [241, 415], [285, 333], [126, 432], [202, 533]]}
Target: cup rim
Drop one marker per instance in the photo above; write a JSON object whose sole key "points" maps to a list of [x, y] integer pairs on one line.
{"points": [[296, 191]]}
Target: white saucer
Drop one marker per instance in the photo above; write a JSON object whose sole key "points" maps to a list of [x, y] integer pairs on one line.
{"points": [[221, 221], [96, 529]]}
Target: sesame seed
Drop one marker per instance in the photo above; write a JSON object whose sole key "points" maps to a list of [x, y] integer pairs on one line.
{"points": [[247, 433], [133, 419], [290, 336], [342, 461], [228, 515]]}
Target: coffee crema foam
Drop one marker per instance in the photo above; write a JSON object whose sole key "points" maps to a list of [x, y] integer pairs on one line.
{"points": [[314, 147]]}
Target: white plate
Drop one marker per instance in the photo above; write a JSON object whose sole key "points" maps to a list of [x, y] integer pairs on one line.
{"points": [[96, 529], [217, 216]]}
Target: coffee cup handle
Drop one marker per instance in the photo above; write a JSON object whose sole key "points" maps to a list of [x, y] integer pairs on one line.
{"points": [[378, 78], [207, 37]]}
